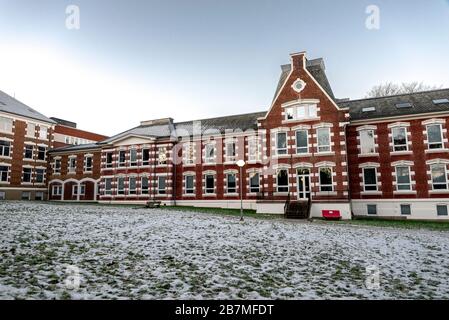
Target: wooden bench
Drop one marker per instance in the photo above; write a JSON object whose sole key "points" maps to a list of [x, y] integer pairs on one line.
{"points": [[153, 204]]}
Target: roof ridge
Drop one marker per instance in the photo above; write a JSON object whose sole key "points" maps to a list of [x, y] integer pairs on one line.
{"points": [[395, 95]]}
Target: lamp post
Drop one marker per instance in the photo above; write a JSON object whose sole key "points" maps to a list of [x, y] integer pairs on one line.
{"points": [[241, 164]]}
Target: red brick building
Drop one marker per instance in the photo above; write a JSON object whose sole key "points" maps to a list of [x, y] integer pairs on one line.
{"points": [[385, 157], [25, 137], [66, 133]]}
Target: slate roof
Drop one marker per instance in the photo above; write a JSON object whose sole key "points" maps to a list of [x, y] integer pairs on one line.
{"points": [[422, 102], [316, 68], [10, 105], [150, 131], [235, 122], [77, 147]]}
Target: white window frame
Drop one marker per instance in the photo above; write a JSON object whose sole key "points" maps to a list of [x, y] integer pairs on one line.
{"points": [[331, 185], [365, 185], [30, 175], [43, 130], [206, 189], [121, 190], [227, 183], [8, 169], [121, 163], [409, 184], [371, 146], [31, 134], [400, 145], [133, 161], [56, 190], [25, 148], [207, 158], [161, 191], [327, 146], [277, 144], [250, 187], [146, 162], [132, 190], [253, 149], [72, 160], [188, 190], [39, 152], [286, 188], [6, 124], [435, 143], [230, 157], [445, 177], [188, 153], [3, 148], [296, 141], [147, 189], [36, 175], [57, 169], [106, 190], [310, 111], [86, 168], [162, 158]]}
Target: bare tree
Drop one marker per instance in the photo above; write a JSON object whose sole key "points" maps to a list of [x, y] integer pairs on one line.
{"points": [[389, 89]]}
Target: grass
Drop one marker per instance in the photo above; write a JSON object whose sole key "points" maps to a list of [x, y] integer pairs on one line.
{"points": [[403, 224]]}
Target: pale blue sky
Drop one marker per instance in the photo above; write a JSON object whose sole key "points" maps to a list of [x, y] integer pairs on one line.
{"points": [[137, 60]]}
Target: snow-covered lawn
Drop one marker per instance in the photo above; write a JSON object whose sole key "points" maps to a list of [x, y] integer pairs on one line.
{"points": [[157, 254]]}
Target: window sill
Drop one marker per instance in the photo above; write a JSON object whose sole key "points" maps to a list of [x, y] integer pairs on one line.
{"points": [[188, 164], [209, 164], [301, 120], [366, 155], [280, 194], [189, 195], [5, 157], [436, 150], [326, 193], [281, 156], [209, 195], [302, 155], [231, 195], [369, 193], [439, 192], [331, 153], [400, 153], [408, 192]]}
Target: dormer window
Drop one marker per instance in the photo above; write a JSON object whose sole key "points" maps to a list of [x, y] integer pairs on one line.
{"points": [[301, 112]]}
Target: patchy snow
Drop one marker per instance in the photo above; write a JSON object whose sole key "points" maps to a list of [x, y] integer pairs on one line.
{"points": [[125, 253]]}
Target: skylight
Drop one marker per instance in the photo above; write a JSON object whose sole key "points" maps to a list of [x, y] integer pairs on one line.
{"points": [[368, 109], [404, 105], [440, 101]]}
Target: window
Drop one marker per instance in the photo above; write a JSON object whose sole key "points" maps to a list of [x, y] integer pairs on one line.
{"points": [[210, 153], [301, 112], [88, 164], [281, 143], [161, 185], [5, 148], [369, 179], [28, 152], [67, 140], [43, 131], [210, 183], [231, 185], [41, 153], [121, 186], [82, 190], [326, 180], [72, 165], [253, 149], [4, 173], [442, 210], [122, 158], [6, 124], [57, 190], [132, 185], [367, 144], [145, 185], [403, 181], [108, 186], [434, 136], [146, 157], [57, 166], [26, 175], [189, 185], [109, 160], [368, 109], [133, 157], [40, 175], [230, 151], [39, 196], [406, 209], [302, 141], [26, 195], [324, 141], [282, 180], [399, 139], [188, 153], [254, 182], [162, 155], [371, 209], [439, 177], [31, 130]]}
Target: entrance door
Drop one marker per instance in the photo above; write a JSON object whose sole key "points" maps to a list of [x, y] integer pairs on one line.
{"points": [[303, 184]]}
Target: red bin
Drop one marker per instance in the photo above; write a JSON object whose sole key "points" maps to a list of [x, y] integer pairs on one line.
{"points": [[331, 214]]}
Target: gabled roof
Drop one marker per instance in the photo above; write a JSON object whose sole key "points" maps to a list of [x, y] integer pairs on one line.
{"points": [[316, 68], [148, 131], [421, 102], [235, 122], [10, 105]]}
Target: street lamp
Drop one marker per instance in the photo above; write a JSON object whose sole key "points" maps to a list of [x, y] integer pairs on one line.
{"points": [[241, 164]]}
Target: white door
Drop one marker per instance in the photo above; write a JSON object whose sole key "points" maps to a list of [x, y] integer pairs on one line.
{"points": [[303, 183]]}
